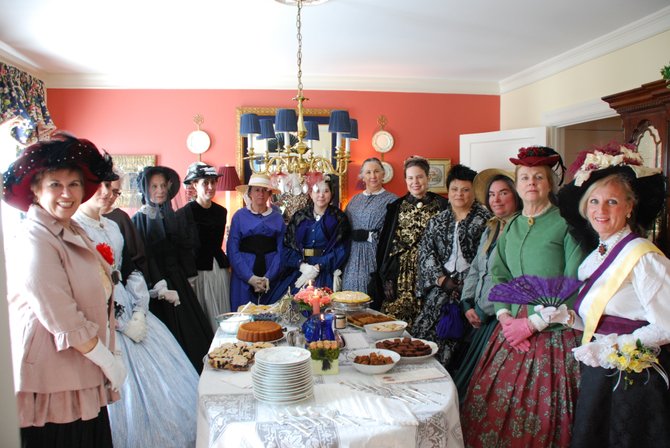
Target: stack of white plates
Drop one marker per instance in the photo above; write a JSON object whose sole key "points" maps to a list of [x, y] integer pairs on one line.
{"points": [[282, 375]]}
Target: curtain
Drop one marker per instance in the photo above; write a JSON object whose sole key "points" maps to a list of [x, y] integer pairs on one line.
{"points": [[22, 95]]}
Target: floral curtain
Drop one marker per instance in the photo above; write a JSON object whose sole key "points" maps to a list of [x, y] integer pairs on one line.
{"points": [[22, 95]]}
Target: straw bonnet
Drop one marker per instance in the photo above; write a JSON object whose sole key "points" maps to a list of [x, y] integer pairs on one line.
{"points": [[62, 151], [258, 180], [481, 183]]}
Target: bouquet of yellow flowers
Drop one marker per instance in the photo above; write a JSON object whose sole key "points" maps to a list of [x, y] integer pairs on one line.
{"points": [[635, 358], [312, 298]]}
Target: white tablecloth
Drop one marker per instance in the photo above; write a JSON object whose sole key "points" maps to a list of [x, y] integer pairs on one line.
{"points": [[230, 416]]}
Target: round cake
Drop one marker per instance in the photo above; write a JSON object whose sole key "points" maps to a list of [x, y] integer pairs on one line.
{"points": [[350, 297], [264, 330]]}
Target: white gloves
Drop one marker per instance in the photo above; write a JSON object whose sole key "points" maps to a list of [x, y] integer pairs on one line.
{"points": [[111, 364], [160, 290], [260, 284], [136, 328], [549, 315], [309, 272], [594, 354], [337, 280], [553, 315]]}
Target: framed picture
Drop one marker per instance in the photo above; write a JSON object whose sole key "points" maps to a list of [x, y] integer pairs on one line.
{"points": [[131, 165], [437, 175]]}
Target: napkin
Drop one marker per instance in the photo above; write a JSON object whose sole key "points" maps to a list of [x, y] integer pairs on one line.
{"points": [[357, 404], [355, 341], [238, 379], [429, 373]]}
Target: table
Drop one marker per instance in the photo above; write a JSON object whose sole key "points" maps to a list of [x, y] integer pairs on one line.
{"points": [[230, 416]]}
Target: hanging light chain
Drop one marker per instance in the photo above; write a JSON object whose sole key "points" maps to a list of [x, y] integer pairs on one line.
{"points": [[299, 56]]}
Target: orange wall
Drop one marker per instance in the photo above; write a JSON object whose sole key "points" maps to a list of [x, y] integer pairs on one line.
{"points": [[158, 121]]}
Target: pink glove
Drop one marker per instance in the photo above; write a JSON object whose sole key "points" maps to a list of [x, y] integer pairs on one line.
{"points": [[517, 331]]}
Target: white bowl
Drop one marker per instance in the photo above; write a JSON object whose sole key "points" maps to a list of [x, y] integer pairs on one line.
{"points": [[385, 330], [374, 370], [230, 322]]}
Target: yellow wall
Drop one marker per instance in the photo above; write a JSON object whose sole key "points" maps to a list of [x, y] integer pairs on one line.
{"points": [[621, 70]]}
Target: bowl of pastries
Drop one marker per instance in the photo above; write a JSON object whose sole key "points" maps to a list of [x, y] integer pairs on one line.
{"points": [[373, 361], [230, 322], [385, 330]]}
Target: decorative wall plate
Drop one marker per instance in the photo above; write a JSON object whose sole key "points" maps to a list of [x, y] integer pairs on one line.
{"points": [[388, 172], [382, 141], [198, 142]]}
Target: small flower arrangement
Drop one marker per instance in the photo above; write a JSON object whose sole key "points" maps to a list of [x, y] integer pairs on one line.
{"points": [[106, 252], [324, 356], [635, 358], [312, 298]]}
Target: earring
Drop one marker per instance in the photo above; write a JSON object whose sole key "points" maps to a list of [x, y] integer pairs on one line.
{"points": [[628, 216]]}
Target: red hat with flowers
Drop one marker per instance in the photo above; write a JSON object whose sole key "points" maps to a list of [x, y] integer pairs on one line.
{"points": [[541, 156], [536, 156]]}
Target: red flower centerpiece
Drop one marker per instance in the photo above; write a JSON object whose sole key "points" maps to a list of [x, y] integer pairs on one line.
{"points": [[106, 252], [312, 298]]}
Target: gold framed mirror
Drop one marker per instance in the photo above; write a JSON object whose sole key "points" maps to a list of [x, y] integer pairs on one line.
{"points": [[328, 141]]}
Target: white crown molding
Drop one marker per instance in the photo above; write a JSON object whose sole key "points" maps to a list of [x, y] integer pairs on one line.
{"points": [[630, 34], [410, 85], [591, 110]]}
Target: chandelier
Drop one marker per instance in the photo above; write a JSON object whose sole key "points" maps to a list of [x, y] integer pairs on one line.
{"points": [[296, 157]]}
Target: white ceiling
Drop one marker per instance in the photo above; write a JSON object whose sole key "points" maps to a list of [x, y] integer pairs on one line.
{"points": [[471, 46]]}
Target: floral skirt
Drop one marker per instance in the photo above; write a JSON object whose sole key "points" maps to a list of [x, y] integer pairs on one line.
{"points": [[523, 399]]}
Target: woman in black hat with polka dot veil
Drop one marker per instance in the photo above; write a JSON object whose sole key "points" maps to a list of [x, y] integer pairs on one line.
{"points": [[60, 299], [171, 263], [206, 222], [623, 307]]}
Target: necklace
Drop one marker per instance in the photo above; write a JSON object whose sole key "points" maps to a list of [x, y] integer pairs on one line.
{"points": [[531, 218], [612, 241]]}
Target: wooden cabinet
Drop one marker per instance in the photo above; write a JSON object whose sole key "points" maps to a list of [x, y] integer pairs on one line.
{"points": [[645, 112]]}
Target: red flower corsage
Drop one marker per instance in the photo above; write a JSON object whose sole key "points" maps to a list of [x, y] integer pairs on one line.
{"points": [[106, 252]]}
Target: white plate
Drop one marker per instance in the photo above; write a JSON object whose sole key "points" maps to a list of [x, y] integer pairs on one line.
{"points": [[382, 141], [272, 393], [283, 356], [388, 172], [431, 344], [283, 382], [297, 399]]}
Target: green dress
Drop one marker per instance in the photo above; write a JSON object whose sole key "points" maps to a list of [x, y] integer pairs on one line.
{"points": [[545, 249]]}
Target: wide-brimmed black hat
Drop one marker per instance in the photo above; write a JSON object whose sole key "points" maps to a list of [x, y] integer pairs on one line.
{"points": [[648, 184], [61, 151], [199, 170], [148, 171]]}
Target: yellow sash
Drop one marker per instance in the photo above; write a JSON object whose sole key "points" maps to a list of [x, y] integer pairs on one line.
{"points": [[605, 291]]}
